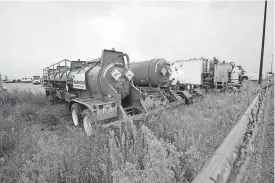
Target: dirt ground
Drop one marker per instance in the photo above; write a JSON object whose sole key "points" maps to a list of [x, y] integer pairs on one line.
{"points": [[25, 86]]}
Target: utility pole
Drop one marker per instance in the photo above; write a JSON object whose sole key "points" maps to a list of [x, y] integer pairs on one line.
{"points": [[262, 51]]}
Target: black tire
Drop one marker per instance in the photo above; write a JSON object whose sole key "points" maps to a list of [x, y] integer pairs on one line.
{"points": [[89, 123], [76, 111]]}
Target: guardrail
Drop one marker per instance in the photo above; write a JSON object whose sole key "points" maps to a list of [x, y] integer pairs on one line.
{"points": [[238, 145]]}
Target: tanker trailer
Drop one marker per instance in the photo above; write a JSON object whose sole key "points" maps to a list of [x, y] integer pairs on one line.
{"points": [[188, 73], [94, 89], [153, 78], [191, 75]]}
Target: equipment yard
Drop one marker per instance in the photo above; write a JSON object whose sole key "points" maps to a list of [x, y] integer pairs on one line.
{"points": [[106, 121], [112, 92]]}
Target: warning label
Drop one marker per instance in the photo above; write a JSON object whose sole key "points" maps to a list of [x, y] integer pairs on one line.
{"points": [[79, 81]]}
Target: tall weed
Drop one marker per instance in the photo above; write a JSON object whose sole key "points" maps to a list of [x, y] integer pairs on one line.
{"points": [[171, 146]]}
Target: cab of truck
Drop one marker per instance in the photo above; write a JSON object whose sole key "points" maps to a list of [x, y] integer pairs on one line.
{"points": [[36, 80]]}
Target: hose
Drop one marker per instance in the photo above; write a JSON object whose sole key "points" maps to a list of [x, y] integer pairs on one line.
{"points": [[128, 59], [233, 65]]}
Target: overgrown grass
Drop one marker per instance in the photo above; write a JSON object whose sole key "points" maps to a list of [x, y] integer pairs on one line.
{"points": [[197, 130], [20, 113], [187, 137], [39, 144]]}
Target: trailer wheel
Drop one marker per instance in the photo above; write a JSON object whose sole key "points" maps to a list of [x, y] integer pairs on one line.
{"points": [[89, 122], [76, 113]]}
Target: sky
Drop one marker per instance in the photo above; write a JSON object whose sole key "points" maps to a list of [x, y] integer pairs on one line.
{"points": [[34, 35]]}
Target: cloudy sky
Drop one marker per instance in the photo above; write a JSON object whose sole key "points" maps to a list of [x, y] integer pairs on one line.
{"points": [[34, 35]]}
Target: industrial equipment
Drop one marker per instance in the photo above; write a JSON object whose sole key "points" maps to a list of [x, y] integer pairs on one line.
{"points": [[191, 75], [222, 74], [204, 73], [153, 78], [100, 92], [193, 72], [238, 75]]}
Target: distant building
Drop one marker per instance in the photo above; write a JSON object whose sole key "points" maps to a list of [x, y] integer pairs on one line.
{"points": [[254, 76]]}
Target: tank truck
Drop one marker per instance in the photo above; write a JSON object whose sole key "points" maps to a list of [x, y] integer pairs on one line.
{"points": [[153, 78], [99, 92]]}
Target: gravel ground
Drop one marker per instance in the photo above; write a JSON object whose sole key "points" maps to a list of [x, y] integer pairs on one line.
{"points": [[261, 168]]}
